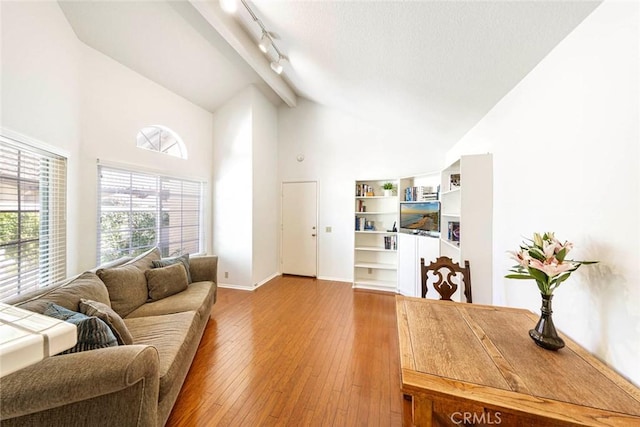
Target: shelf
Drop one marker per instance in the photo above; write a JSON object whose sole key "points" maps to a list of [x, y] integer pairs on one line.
{"points": [[375, 265], [443, 193], [420, 201], [374, 249], [450, 244], [377, 213], [376, 232], [376, 197], [452, 215], [384, 285]]}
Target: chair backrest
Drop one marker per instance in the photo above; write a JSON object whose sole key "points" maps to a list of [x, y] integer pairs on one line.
{"points": [[446, 272]]}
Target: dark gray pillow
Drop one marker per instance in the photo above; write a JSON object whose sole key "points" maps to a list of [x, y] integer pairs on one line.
{"points": [[165, 262], [166, 281], [108, 316], [93, 333]]}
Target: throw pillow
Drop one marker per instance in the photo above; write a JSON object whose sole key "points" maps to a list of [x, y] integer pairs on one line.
{"points": [[127, 284], [165, 262], [68, 294], [93, 333], [166, 281], [108, 316]]}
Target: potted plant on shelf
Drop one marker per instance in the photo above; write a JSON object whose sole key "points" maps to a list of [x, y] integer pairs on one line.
{"points": [[543, 259], [388, 189]]}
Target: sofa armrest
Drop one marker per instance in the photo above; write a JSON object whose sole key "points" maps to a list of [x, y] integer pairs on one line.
{"points": [[65, 380], [204, 268]]}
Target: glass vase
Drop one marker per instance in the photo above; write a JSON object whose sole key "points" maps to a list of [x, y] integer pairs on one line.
{"points": [[545, 334]]}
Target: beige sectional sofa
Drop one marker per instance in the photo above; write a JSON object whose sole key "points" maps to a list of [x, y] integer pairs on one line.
{"points": [[125, 385]]}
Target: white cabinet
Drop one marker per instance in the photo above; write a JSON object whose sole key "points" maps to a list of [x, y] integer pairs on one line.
{"points": [[410, 249], [375, 251], [466, 195]]}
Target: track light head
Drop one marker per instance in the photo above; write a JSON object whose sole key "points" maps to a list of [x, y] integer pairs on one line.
{"points": [[276, 66], [265, 42]]}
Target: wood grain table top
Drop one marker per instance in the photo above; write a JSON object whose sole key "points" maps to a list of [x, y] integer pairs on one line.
{"points": [[484, 354]]}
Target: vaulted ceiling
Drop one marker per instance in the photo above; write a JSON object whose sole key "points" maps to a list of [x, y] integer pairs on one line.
{"points": [[435, 67]]}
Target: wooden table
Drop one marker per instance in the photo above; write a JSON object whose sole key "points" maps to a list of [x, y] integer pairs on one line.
{"points": [[467, 362]]}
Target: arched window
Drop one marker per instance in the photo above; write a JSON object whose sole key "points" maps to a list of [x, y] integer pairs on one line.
{"points": [[161, 139]]}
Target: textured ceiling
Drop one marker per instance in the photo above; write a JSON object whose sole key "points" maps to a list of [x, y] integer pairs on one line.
{"points": [[431, 67], [435, 67]]}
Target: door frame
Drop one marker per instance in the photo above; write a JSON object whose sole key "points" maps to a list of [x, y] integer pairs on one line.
{"points": [[282, 183]]}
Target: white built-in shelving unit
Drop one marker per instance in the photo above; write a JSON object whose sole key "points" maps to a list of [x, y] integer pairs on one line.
{"points": [[375, 266], [470, 205]]}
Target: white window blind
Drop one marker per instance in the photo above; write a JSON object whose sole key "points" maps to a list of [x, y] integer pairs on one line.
{"points": [[32, 218], [139, 210]]}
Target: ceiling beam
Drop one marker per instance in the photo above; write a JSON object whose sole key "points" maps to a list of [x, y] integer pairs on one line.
{"points": [[239, 40]]}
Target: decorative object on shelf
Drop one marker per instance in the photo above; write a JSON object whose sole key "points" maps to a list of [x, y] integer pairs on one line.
{"points": [[543, 259], [387, 187], [454, 181], [454, 232]]}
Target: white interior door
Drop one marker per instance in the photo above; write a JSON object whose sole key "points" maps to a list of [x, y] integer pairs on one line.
{"points": [[299, 228]]}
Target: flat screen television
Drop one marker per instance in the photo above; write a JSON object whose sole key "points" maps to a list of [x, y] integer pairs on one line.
{"points": [[420, 216]]}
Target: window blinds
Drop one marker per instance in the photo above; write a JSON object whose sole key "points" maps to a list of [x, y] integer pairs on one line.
{"points": [[139, 210], [32, 218]]}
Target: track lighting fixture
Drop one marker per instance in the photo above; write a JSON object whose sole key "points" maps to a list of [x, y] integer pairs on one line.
{"points": [[267, 40], [276, 65]]}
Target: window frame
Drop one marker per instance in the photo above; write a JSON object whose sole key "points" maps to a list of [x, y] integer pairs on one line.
{"points": [[160, 228], [49, 170]]}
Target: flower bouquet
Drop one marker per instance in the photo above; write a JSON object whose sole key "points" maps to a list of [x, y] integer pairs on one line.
{"points": [[544, 259]]}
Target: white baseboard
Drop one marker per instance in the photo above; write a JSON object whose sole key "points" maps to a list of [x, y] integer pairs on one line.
{"points": [[335, 279], [247, 288], [273, 276], [232, 286]]}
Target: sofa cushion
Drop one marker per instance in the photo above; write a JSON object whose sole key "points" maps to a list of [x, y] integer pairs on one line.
{"points": [[197, 297], [108, 316], [127, 284], [166, 281], [182, 259], [68, 295], [93, 333], [174, 336]]}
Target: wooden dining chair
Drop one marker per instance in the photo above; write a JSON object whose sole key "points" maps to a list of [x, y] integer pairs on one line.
{"points": [[447, 278]]}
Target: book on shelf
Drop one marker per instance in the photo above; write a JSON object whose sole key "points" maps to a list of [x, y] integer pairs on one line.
{"points": [[420, 194], [391, 242], [362, 224], [364, 190]]}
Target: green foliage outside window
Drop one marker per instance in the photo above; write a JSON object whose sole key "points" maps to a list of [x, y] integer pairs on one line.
{"points": [[127, 234]]}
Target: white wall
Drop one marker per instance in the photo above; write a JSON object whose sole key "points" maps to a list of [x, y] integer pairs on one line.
{"points": [[40, 89], [245, 207], [266, 194], [338, 150], [58, 90], [116, 104], [232, 191], [566, 159]]}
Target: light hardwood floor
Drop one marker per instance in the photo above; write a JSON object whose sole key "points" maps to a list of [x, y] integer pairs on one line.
{"points": [[297, 351]]}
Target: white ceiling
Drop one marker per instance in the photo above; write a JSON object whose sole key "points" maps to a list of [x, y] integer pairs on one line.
{"points": [[435, 68]]}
